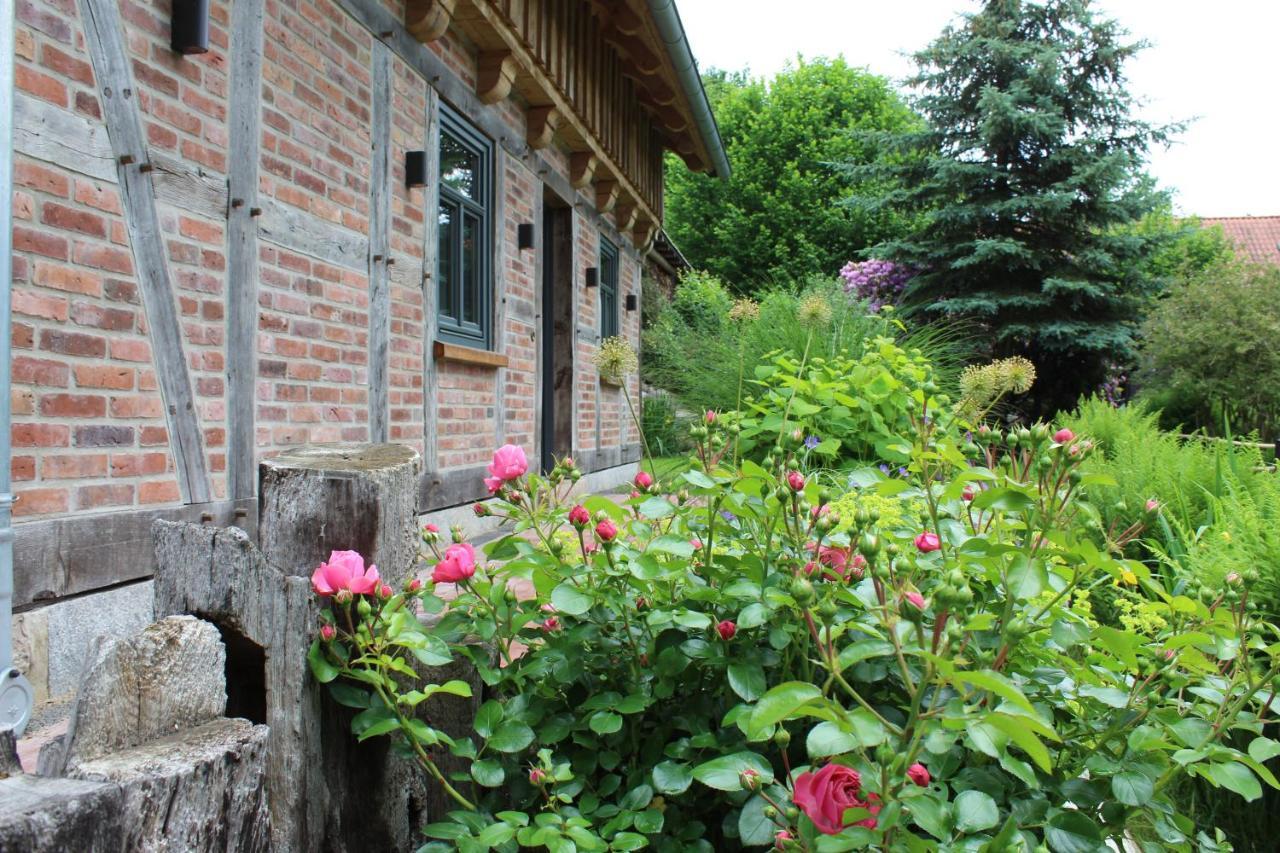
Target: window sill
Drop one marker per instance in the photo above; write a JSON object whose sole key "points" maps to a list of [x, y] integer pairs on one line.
{"points": [[612, 381], [468, 355]]}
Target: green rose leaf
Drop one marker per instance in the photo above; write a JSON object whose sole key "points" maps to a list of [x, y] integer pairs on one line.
{"points": [[628, 841], [320, 666], [510, 736], [725, 773], [754, 829], [827, 738], [605, 722], [1132, 788], [931, 815], [487, 718], [1071, 831], [975, 811], [780, 703], [672, 545], [747, 680], [1234, 777], [567, 598], [672, 777]]}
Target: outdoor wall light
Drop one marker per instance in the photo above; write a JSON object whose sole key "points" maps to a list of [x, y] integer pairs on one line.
{"points": [[415, 169], [632, 302], [524, 235], [189, 26], [593, 277]]}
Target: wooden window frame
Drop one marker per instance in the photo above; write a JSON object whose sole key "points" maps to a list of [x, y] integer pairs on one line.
{"points": [[610, 261], [449, 327]]}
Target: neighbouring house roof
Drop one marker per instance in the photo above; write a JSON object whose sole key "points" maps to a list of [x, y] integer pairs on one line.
{"points": [[1257, 236], [669, 254]]}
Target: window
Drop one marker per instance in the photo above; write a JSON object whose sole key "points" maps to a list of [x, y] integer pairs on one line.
{"points": [[608, 289], [463, 264]]}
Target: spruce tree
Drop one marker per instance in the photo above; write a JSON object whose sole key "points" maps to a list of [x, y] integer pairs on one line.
{"points": [[1031, 160]]}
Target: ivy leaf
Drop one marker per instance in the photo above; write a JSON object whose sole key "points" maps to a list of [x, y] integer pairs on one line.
{"points": [[747, 680], [672, 777], [975, 811], [724, 773]]}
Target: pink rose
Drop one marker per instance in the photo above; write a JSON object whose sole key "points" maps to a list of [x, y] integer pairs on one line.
{"points": [[431, 528], [781, 838], [726, 630], [795, 480], [857, 567], [927, 542], [551, 624], [1153, 505], [327, 632], [1063, 436], [459, 563], [385, 591], [493, 484], [509, 463], [915, 599], [710, 417], [537, 776], [834, 558], [345, 570], [579, 517], [919, 774], [643, 480], [606, 531], [696, 543], [825, 796]]}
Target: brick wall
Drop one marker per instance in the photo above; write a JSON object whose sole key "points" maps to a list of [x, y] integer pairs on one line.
{"points": [[89, 430]]}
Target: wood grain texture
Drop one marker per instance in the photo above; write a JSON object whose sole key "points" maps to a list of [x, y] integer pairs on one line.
{"points": [[430, 284], [242, 246], [380, 246], [444, 351], [301, 232], [501, 269], [105, 39]]}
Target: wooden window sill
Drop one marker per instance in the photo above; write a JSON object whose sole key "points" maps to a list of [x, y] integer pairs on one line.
{"points": [[611, 381], [468, 355]]}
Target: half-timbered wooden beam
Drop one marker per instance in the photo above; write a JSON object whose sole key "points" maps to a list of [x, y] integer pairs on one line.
{"points": [[428, 20], [380, 247], [495, 74], [541, 124], [582, 168]]}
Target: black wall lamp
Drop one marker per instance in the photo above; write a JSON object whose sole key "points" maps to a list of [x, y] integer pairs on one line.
{"points": [[524, 235], [415, 168], [593, 277], [189, 26], [632, 302]]}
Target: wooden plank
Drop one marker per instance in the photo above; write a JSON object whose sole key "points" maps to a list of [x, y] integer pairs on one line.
{"points": [[380, 246], [539, 328], [105, 39], [188, 187], [430, 290], [500, 274], [467, 355], [383, 24], [245, 133], [60, 557], [299, 231], [454, 487]]}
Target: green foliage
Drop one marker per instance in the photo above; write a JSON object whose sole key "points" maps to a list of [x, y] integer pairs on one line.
{"points": [[1177, 248], [778, 217], [854, 409], [663, 428], [685, 667], [1030, 163], [1209, 352]]}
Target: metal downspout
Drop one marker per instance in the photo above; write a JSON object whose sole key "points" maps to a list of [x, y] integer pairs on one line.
{"points": [[672, 33], [15, 692]]}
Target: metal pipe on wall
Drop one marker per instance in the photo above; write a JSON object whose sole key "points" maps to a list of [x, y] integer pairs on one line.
{"points": [[15, 692]]}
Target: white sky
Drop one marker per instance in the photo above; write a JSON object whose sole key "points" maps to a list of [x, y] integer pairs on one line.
{"points": [[1215, 62]]}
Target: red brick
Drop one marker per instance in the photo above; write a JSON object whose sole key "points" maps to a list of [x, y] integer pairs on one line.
{"points": [[66, 66], [130, 350], [196, 229], [39, 19], [109, 258], [66, 278], [73, 467], [69, 218], [161, 136], [72, 406], [41, 435], [93, 497], [40, 501], [136, 407], [107, 319], [22, 401], [100, 197], [22, 468], [40, 371], [41, 85], [104, 376], [41, 178], [158, 491], [87, 104], [31, 304], [73, 343], [153, 436], [149, 75], [40, 242], [23, 336], [138, 464]]}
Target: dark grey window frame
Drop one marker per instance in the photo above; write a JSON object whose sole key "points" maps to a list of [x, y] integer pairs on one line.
{"points": [[453, 327], [609, 308]]}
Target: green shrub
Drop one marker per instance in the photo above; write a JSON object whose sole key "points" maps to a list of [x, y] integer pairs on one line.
{"points": [[665, 431], [1209, 353]]}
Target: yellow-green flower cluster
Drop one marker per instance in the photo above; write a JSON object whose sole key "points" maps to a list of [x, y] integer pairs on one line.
{"points": [[891, 511], [1141, 616], [814, 311], [615, 359], [982, 385], [744, 310]]}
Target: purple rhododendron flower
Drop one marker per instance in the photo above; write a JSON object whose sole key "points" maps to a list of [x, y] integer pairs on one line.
{"points": [[878, 283]]}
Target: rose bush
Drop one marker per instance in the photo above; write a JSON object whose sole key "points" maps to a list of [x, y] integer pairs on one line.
{"points": [[747, 662]]}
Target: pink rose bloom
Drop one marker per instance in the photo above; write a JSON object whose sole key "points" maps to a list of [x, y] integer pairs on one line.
{"points": [[927, 542], [493, 484], [606, 531], [643, 480], [548, 608], [919, 774], [579, 517], [509, 463], [696, 543], [726, 629], [795, 480], [834, 558], [345, 570], [915, 599], [459, 563], [1063, 435], [825, 795]]}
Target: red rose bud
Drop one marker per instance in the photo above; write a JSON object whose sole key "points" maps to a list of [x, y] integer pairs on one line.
{"points": [[537, 776], [696, 543], [548, 608], [567, 462], [968, 493], [480, 510], [857, 567], [810, 568], [327, 632], [710, 417], [551, 624], [781, 838], [795, 480], [726, 629], [927, 542], [431, 528], [918, 774], [641, 603], [749, 779], [385, 591], [606, 531], [1153, 505], [414, 585], [915, 599], [634, 494], [1063, 436], [579, 517], [343, 596], [643, 480]]}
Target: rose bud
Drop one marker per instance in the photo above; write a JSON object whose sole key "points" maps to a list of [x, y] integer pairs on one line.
{"points": [[537, 776], [927, 542], [1063, 436], [726, 629], [606, 531], [914, 599], [480, 510], [749, 779], [1153, 505], [781, 838], [918, 774], [810, 568], [967, 494], [795, 480], [710, 417], [857, 567], [634, 494], [579, 517], [641, 603], [548, 608], [551, 624], [643, 480], [343, 596], [328, 632], [413, 585], [384, 591]]}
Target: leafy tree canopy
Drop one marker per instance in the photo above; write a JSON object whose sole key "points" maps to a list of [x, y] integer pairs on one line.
{"points": [[779, 218], [1030, 165]]}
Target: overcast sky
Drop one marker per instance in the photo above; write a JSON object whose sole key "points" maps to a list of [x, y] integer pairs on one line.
{"points": [[1215, 62]]}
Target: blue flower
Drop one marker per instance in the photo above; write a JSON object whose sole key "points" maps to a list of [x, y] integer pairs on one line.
{"points": [[811, 442], [884, 469], [728, 516]]}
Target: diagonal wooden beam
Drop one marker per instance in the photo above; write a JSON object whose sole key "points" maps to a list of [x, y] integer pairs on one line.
{"points": [[104, 37]]}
